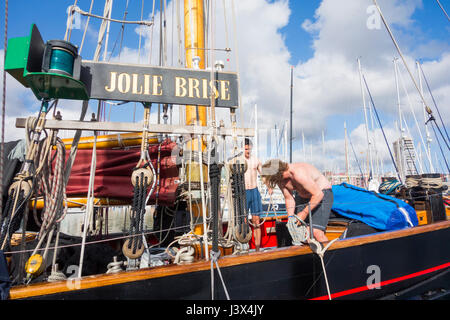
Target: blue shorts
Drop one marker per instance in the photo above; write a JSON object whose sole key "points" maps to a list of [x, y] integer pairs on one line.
{"points": [[254, 204]]}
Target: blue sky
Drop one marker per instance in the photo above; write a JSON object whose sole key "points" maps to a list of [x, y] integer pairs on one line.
{"points": [[325, 65]]}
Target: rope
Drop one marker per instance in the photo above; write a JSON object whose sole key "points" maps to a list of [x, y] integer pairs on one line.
{"points": [[299, 232], [412, 182], [399, 51], [443, 10], [202, 191], [69, 23], [431, 183], [318, 248], [75, 8], [85, 28], [413, 114], [141, 178], [242, 231], [381, 127], [37, 167], [115, 266], [214, 259], [440, 148], [89, 203], [432, 98], [241, 112]]}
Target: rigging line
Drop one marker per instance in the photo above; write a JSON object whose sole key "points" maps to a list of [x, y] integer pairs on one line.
{"points": [[382, 130], [140, 35], [443, 138], [172, 31], [439, 144], [69, 22], [121, 33], [414, 115], [443, 10], [180, 61], [101, 34], [415, 151], [356, 159], [143, 22], [151, 33], [241, 112], [89, 203], [212, 55], [369, 151], [432, 98], [165, 33], [399, 51], [108, 24], [2, 146], [207, 24], [225, 24], [139, 52], [85, 28]]}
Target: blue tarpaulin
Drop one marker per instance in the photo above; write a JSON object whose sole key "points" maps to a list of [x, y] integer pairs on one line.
{"points": [[379, 211]]}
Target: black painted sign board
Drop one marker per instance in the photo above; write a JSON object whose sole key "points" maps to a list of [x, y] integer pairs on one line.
{"points": [[141, 83]]}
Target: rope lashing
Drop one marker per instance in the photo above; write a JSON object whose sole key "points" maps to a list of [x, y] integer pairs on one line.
{"points": [[35, 168], [38, 176], [51, 186], [214, 178], [299, 233], [56, 275], [114, 266], [141, 178], [12, 215], [242, 231]]}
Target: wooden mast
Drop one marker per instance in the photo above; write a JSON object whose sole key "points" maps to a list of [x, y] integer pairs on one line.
{"points": [[194, 42]]}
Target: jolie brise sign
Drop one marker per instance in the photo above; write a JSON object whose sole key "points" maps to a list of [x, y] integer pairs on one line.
{"points": [[125, 82]]}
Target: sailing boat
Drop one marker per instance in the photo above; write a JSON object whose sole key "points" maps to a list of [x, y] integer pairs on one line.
{"points": [[355, 264]]}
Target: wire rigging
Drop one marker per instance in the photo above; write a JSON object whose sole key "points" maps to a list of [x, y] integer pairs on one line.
{"points": [[382, 130]]}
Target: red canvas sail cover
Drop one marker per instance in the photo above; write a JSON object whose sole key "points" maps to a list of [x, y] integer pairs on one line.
{"points": [[113, 173]]}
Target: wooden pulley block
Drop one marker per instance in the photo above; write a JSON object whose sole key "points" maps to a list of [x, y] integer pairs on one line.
{"points": [[127, 249], [142, 173], [22, 185], [35, 265]]}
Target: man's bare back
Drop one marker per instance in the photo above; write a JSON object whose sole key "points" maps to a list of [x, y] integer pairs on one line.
{"points": [[307, 173]]}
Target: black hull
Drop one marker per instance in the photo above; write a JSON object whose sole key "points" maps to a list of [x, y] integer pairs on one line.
{"points": [[409, 264]]}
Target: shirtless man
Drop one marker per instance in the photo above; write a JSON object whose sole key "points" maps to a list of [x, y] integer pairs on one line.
{"points": [[311, 187], [253, 197]]}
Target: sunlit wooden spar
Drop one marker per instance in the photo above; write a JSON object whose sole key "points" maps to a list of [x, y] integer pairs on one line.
{"points": [[111, 141], [135, 127]]}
